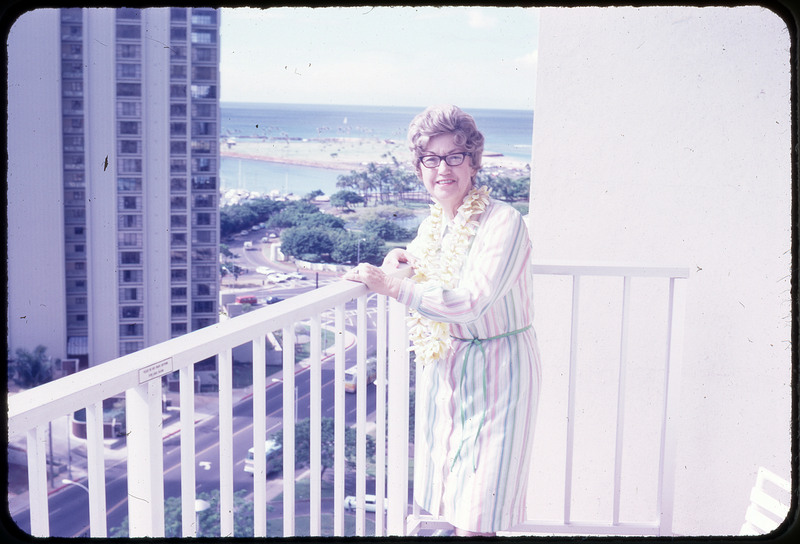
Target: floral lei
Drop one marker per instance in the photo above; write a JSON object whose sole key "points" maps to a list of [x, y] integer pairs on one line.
{"points": [[439, 263]]}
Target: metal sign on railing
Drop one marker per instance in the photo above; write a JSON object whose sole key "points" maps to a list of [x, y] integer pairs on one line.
{"points": [[156, 370]]}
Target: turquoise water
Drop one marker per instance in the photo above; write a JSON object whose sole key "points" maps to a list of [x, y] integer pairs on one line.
{"points": [[506, 131]]}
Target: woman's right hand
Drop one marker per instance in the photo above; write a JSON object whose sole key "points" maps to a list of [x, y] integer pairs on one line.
{"points": [[397, 256]]}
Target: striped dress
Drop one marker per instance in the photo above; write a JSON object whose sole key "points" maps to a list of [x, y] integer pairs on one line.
{"points": [[478, 407]]}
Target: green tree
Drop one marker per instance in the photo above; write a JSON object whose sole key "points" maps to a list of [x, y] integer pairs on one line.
{"points": [[302, 444], [505, 188], [354, 247], [292, 214], [385, 229], [306, 243], [313, 194], [31, 368], [342, 199], [209, 519]]}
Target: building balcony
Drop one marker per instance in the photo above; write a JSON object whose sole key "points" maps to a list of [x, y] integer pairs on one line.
{"points": [[165, 451]]}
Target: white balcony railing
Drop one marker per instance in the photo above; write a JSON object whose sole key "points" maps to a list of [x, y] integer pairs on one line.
{"points": [[138, 377]]}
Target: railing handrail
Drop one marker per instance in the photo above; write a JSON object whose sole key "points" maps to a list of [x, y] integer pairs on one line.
{"points": [[27, 410], [590, 268]]}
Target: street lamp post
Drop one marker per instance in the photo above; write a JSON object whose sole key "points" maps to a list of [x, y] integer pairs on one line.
{"points": [[278, 380], [67, 481], [358, 249], [199, 506]]}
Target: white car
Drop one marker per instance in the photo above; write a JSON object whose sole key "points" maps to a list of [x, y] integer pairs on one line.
{"points": [[369, 503], [277, 277]]}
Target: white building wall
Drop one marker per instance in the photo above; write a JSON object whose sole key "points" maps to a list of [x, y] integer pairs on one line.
{"points": [[101, 185], [36, 293], [663, 135], [156, 128]]}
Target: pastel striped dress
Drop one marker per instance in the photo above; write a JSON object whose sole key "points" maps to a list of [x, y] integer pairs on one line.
{"points": [[478, 407]]}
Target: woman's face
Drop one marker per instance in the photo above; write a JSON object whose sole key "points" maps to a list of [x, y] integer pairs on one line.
{"points": [[447, 185]]}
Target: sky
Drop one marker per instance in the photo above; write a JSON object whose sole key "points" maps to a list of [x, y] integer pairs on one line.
{"points": [[382, 56]]}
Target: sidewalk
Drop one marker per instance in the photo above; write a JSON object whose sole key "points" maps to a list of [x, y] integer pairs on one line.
{"points": [[69, 452]]}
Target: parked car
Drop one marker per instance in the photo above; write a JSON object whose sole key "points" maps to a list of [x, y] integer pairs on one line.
{"points": [[277, 277], [248, 245], [247, 299], [272, 299], [369, 503], [296, 276]]}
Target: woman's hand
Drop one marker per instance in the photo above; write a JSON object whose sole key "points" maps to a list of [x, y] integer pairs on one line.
{"points": [[374, 278], [397, 256]]}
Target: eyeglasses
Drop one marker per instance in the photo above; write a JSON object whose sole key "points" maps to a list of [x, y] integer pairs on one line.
{"points": [[453, 159]]}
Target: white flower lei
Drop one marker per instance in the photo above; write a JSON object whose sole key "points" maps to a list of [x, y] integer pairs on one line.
{"points": [[439, 263]]}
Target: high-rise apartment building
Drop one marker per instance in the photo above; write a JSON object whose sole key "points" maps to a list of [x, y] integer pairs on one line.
{"points": [[113, 178]]}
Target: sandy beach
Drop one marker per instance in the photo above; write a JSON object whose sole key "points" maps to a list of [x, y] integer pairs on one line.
{"points": [[340, 153]]}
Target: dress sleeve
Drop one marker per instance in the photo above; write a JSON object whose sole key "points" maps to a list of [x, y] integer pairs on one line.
{"points": [[499, 256]]}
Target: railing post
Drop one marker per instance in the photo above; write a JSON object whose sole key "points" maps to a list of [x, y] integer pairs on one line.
{"points": [[96, 470], [398, 420], [145, 460], [669, 430], [37, 482]]}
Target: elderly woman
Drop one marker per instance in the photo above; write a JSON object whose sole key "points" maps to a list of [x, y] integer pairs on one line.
{"points": [[471, 327]]}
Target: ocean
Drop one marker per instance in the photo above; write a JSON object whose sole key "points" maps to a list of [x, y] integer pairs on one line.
{"points": [[506, 131]]}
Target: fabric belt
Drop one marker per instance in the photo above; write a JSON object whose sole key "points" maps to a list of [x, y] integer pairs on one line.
{"points": [[476, 342]]}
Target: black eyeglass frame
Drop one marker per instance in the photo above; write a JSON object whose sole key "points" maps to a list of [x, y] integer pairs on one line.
{"points": [[440, 158]]}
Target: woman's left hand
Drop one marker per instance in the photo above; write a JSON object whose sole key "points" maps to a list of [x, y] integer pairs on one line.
{"points": [[374, 278]]}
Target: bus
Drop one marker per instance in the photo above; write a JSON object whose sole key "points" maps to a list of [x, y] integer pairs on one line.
{"points": [[351, 375], [274, 458]]}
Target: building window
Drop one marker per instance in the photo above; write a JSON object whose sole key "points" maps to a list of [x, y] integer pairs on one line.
{"points": [[130, 347], [130, 221], [204, 201], [204, 36], [177, 111], [204, 91], [177, 129], [203, 146], [177, 165], [178, 239], [177, 221], [203, 254], [203, 18], [130, 127], [177, 34], [177, 147], [204, 164], [204, 54], [129, 13], [178, 274], [177, 52], [132, 71], [129, 89], [177, 71], [177, 203], [130, 239], [130, 257], [129, 109], [131, 276], [130, 166], [178, 329], [204, 236], [130, 147], [204, 109], [204, 73], [178, 257], [130, 312], [129, 184], [208, 183], [203, 289], [203, 306], [177, 185], [129, 293], [129, 51], [203, 272], [179, 293], [177, 14], [203, 219], [178, 310], [177, 91], [129, 32]]}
